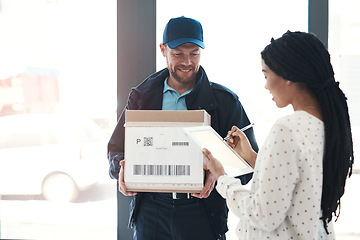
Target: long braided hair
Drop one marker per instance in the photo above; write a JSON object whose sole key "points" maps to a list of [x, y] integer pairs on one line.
{"points": [[301, 57]]}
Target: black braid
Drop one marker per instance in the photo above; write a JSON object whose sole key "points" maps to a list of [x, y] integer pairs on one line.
{"points": [[301, 57]]}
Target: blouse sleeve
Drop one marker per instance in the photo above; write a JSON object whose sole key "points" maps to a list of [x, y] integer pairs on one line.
{"points": [[275, 177]]}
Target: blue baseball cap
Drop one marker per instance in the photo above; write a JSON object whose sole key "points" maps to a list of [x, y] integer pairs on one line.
{"points": [[183, 30]]}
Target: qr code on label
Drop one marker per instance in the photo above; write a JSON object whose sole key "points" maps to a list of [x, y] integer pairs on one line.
{"points": [[148, 141]]}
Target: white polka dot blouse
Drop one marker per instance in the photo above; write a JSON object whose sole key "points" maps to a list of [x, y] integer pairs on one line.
{"points": [[285, 196]]}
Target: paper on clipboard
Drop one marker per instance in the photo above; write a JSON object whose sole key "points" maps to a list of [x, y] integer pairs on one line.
{"points": [[207, 137]]}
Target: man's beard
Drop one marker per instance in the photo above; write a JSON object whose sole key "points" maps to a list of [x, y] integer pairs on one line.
{"points": [[177, 78]]}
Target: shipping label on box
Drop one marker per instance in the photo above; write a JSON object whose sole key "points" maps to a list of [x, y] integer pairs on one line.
{"points": [[159, 155]]}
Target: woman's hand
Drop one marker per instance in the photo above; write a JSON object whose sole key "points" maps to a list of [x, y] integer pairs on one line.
{"points": [[240, 143], [122, 187], [212, 164]]}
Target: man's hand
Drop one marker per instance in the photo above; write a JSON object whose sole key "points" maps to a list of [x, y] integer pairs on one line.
{"points": [[208, 187], [122, 187]]}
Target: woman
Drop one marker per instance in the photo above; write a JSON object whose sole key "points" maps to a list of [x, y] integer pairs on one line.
{"points": [[300, 172]]}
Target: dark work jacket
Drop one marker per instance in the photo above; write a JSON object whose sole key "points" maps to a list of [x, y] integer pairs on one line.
{"points": [[225, 110]]}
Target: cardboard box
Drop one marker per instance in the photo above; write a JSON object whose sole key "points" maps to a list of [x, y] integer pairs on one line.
{"points": [[159, 156]]}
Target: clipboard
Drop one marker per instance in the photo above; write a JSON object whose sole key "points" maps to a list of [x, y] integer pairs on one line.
{"points": [[207, 137]]}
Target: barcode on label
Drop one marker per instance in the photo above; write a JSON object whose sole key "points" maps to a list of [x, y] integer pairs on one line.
{"points": [[161, 170], [180, 144]]}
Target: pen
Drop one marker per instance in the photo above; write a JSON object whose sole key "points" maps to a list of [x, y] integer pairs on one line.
{"points": [[243, 129]]}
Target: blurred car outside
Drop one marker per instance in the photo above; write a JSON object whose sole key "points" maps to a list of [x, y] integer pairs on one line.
{"points": [[55, 155]]}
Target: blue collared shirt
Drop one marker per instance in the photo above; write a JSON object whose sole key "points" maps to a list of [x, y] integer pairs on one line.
{"points": [[172, 100]]}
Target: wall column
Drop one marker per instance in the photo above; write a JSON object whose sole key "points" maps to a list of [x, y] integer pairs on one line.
{"points": [[319, 19], [136, 59]]}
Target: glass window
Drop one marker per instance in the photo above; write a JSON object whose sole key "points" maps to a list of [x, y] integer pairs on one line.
{"points": [[57, 57], [344, 39], [344, 47], [235, 32], [24, 137]]}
